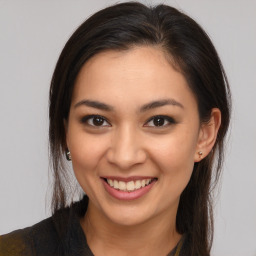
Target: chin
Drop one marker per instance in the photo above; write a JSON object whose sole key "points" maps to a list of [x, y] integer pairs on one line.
{"points": [[128, 220], [128, 214]]}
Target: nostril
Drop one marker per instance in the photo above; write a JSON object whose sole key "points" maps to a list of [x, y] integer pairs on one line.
{"points": [[124, 158]]}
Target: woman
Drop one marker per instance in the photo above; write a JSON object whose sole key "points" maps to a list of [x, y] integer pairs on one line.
{"points": [[139, 103]]}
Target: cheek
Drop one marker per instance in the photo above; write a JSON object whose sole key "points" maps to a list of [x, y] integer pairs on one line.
{"points": [[86, 152], [176, 148], [174, 156]]}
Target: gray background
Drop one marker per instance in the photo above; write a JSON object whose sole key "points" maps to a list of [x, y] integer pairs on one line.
{"points": [[32, 34]]}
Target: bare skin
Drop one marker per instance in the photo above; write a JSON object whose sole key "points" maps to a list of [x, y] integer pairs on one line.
{"points": [[132, 117], [107, 239]]}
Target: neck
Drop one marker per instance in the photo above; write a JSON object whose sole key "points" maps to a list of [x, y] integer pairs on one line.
{"points": [[157, 236]]}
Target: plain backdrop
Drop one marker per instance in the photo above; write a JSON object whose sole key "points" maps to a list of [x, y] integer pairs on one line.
{"points": [[32, 34]]}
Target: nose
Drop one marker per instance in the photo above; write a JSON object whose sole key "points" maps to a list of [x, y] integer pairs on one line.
{"points": [[126, 149]]}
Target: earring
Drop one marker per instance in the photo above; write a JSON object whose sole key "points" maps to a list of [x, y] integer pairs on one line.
{"points": [[68, 155], [200, 153]]}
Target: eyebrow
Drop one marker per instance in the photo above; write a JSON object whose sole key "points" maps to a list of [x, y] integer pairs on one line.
{"points": [[146, 107], [94, 104], [160, 103]]}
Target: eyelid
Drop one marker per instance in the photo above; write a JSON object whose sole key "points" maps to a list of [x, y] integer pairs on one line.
{"points": [[168, 118], [84, 120]]}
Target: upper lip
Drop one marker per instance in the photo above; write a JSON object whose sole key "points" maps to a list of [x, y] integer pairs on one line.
{"points": [[127, 179]]}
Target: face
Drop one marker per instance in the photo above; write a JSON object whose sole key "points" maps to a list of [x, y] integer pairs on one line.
{"points": [[133, 133]]}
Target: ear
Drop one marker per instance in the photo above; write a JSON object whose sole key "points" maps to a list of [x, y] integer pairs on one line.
{"points": [[207, 135]]}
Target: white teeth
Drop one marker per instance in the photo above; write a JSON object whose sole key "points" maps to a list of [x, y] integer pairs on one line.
{"points": [[129, 186], [122, 185], [110, 182], [137, 184], [116, 184]]}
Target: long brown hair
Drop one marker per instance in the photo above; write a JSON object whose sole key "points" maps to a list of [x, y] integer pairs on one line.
{"points": [[121, 27]]}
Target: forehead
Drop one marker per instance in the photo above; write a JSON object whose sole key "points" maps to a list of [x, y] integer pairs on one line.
{"points": [[138, 74]]}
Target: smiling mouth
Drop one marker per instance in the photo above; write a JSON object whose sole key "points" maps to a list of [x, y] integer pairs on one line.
{"points": [[129, 186]]}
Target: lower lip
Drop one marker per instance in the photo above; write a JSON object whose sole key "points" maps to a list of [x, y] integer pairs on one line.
{"points": [[125, 195]]}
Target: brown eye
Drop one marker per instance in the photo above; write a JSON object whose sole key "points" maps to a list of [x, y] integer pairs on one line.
{"points": [[98, 121], [160, 121], [95, 121]]}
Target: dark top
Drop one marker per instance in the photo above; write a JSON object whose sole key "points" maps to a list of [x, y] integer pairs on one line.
{"points": [[60, 234]]}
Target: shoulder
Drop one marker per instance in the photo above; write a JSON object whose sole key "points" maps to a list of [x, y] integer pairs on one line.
{"points": [[16, 243], [56, 235], [40, 237]]}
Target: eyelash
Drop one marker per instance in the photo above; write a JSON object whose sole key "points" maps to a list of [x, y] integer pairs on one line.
{"points": [[93, 117], [168, 119]]}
